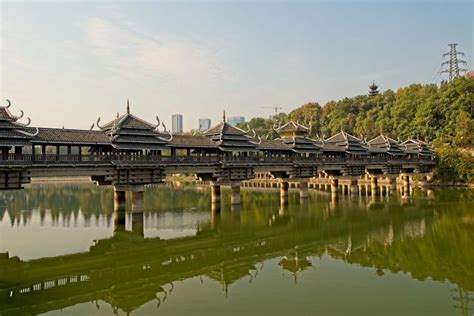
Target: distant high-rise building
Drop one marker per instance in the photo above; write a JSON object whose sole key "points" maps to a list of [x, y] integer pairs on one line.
{"points": [[204, 124], [234, 120], [176, 123]]}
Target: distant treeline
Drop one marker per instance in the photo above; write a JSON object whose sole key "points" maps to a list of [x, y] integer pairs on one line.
{"points": [[441, 115]]}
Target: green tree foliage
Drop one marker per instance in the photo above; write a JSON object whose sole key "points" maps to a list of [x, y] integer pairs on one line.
{"points": [[442, 115]]}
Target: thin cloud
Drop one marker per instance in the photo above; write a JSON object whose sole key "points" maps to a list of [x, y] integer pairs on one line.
{"points": [[130, 53]]}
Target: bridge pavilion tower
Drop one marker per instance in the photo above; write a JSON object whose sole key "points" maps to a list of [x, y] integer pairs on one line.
{"points": [[294, 136], [232, 142]]}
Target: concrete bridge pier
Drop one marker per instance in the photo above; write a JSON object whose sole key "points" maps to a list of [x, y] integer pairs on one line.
{"points": [[392, 185], [284, 192], [406, 184], [119, 207], [303, 186], [334, 186], [235, 198], [137, 198], [373, 185], [354, 188], [137, 210], [119, 196], [215, 197]]}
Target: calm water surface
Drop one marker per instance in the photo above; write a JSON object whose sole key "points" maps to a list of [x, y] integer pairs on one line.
{"points": [[63, 251]]}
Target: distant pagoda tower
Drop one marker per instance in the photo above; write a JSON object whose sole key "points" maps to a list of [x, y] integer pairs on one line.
{"points": [[373, 89]]}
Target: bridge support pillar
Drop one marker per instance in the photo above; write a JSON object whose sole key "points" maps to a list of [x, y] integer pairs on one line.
{"points": [[303, 185], [354, 189], [215, 195], [119, 208], [235, 193], [373, 185], [119, 196], [392, 185], [406, 185], [334, 186], [137, 210], [137, 198], [284, 192]]}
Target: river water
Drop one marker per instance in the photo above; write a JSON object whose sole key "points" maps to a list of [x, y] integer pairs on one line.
{"points": [[64, 251]]}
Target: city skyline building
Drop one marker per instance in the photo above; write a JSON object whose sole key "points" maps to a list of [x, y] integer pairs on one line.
{"points": [[204, 124], [176, 123], [234, 120]]}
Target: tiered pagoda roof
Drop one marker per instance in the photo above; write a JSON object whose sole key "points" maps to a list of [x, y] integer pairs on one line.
{"points": [[385, 145], [12, 132], [230, 138], [373, 89], [418, 147], [294, 136], [128, 132], [344, 142]]}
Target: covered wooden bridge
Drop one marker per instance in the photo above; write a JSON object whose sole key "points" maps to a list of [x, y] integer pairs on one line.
{"points": [[129, 151]]}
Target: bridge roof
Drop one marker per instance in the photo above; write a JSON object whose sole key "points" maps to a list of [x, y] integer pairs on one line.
{"points": [[229, 137], [128, 132], [191, 141], [385, 144], [13, 133], [268, 144], [301, 144], [418, 147], [70, 136], [292, 126], [344, 142]]}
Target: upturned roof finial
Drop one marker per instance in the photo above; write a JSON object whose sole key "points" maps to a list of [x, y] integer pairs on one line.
{"points": [[128, 106], [223, 116]]}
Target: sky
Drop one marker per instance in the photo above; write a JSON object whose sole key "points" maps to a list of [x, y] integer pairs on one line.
{"points": [[65, 63]]}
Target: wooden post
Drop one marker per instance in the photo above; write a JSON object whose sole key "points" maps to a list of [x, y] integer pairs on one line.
{"points": [[33, 152]]}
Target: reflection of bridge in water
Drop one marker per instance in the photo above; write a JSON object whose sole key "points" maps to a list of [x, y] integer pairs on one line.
{"points": [[128, 270], [129, 152]]}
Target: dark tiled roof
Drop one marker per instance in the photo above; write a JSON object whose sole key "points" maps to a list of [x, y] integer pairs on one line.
{"points": [[188, 141], [128, 132], [292, 127], [225, 129], [74, 136], [350, 143], [385, 144], [267, 144], [13, 133], [301, 144], [418, 147], [229, 138], [128, 120]]}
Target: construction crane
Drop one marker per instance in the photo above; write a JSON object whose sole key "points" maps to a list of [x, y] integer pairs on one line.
{"points": [[276, 108]]}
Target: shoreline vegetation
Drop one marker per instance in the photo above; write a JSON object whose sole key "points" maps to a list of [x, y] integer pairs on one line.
{"points": [[441, 115]]}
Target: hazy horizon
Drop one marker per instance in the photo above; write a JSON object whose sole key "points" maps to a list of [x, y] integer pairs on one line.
{"points": [[65, 64]]}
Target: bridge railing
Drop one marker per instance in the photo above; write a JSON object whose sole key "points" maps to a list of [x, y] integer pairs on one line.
{"points": [[18, 159], [75, 158]]}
